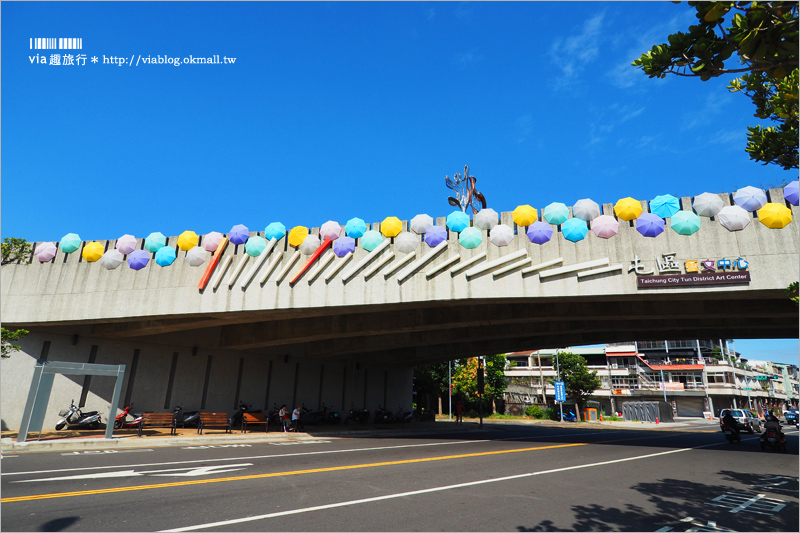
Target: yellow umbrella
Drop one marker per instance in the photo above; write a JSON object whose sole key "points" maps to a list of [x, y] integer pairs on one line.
{"points": [[92, 251], [628, 208], [391, 227], [297, 235], [187, 240], [524, 215], [774, 215]]}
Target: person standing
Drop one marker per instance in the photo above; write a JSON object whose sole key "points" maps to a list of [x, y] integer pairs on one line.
{"points": [[459, 412], [284, 417]]}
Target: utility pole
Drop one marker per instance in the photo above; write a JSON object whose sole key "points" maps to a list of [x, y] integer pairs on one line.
{"points": [[541, 379], [450, 391], [558, 374], [480, 377]]}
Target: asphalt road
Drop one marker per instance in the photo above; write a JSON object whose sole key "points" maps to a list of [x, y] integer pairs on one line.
{"points": [[504, 478]]}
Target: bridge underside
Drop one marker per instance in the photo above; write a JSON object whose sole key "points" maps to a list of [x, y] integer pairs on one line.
{"points": [[414, 333]]}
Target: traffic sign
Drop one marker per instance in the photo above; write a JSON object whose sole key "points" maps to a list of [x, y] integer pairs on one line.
{"points": [[560, 393]]}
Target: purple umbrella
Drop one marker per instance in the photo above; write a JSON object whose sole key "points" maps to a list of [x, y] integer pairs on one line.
{"points": [[138, 259], [343, 246], [539, 232], [791, 193], [45, 251], [239, 234], [649, 224], [435, 236], [126, 244]]}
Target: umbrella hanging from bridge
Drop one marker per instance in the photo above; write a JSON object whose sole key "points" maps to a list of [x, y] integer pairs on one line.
{"points": [[138, 259], [435, 236], [406, 242], [112, 259], [539, 232], [501, 235], [126, 244], [733, 218], [524, 215], [275, 230], [165, 256], [707, 204], [664, 205], [330, 230], [586, 209], [774, 215], [605, 226], [154, 242], [70, 242], [371, 240], [457, 221], [92, 251], [650, 225], [556, 213], [421, 223], [750, 198], [791, 194], [239, 234], [196, 256], [685, 223], [355, 228], [486, 219], [574, 229], [45, 251], [470, 237], [211, 241]]}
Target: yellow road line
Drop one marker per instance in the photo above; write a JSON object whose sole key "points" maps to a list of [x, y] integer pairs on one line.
{"points": [[275, 474]]}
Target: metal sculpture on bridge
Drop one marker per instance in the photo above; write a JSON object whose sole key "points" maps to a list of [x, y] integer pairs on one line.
{"points": [[466, 194]]}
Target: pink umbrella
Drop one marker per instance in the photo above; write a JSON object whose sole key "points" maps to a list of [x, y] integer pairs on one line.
{"points": [[126, 244], [605, 226], [330, 230], [45, 251], [212, 240]]}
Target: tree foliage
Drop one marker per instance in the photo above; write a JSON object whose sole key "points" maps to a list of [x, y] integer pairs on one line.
{"points": [[465, 377], [15, 250], [764, 36], [792, 292], [8, 338], [579, 382]]}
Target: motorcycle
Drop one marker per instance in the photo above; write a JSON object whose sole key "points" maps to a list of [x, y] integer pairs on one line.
{"points": [[569, 416], [360, 416], [236, 419], [422, 415], [732, 434], [122, 419], [187, 419], [74, 418], [332, 417], [383, 415], [774, 440], [313, 418], [403, 416]]}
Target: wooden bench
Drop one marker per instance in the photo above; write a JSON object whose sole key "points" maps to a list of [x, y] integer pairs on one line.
{"points": [[214, 420], [156, 420], [254, 419]]}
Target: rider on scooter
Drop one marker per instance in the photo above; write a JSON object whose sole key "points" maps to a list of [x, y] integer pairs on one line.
{"points": [[730, 423], [773, 424]]}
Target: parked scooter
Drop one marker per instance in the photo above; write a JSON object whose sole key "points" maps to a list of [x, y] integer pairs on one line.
{"points": [[569, 416], [383, 415], [122, 420], [236, 419], [332, 417], [357, 416], [185, 419], [403, 416], [313, 418], [732, 434], [774, 441], [74, 418]]}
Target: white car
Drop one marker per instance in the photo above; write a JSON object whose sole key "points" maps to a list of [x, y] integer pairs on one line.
{"points": [[745, 420]]}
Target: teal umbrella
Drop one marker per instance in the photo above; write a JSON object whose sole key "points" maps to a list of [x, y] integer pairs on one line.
{"points": [[574, 229], [470, 237], [255, 245], [165, 256], [70, 242], [355, 228], [457, 221], [685, 222], [154, 242], [371, 240], [664, 205], [556, 213], [275, 230]]}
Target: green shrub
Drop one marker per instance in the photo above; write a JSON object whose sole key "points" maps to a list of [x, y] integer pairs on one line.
{"points": [[551, 413], [534, 411]]}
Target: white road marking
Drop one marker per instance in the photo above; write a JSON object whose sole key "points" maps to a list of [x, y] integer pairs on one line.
{"points": [[105, 452], [201, 471]]}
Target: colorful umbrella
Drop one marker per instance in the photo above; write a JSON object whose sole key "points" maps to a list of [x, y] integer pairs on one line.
{"points": [[707, 204], [187, 240], [733, 218], [297, 235], [112, 259], [791, 194], [457, 221], [470, 237], [628, 208], [774, 215], [539, 232], [664, 205], [574, 229], [330, 230], [196, 256], [126, 244], [309, 245], [435, 236], [605, 226], [420, 224], [406, 242], [211, 241], [524, 215], [239, 234], [45, 251], [391, 227], [138, 259], [750, 198], [556, 213], [275, 230], [501, 235], [255, 245], [69, 243], [154, 242], [685, 222], [165, 256], [371, 240], [343, 246], [486, 219], [650, 225], [92, 251], [355, 228], [586, 209]]}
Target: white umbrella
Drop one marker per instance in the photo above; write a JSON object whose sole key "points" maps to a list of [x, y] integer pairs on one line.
{"points": [[45, 251], [112, 259], [707, 204], [126, 244], [750, 198], [330, 230], [605, 226], [310, 244], [212, 240], [406, 242], [586, 209], [501, 235], [196, 256], [421, 224], [486, 219], [733, 218]]}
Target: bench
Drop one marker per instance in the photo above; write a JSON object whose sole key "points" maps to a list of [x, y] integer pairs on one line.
{"points": [[254, 419], [158, 420], [214, 420]]}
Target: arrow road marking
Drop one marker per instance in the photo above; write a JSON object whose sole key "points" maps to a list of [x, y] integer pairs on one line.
{"points": [[191, 471]]}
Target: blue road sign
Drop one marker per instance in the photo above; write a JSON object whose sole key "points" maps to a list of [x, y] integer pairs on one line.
{"points": [[560, 393]]}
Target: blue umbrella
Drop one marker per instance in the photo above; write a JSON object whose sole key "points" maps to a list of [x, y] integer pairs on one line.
{"points": [[138, 259], [664, 205], [371, 240], [539, 232], [791, 194], [557, 213], [239, 234], [355, 228], [275, 230], [574, 229], [435, 236], [343, 246], [165, 256], [650, 225], [457, 221], [155, 241]]}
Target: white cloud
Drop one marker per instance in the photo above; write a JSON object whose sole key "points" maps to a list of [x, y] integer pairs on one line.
{"points": [[571, 54], [524, 125]]}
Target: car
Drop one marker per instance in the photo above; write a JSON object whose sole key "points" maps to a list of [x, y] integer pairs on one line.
{"points": [[745, 420], [791, 416]]}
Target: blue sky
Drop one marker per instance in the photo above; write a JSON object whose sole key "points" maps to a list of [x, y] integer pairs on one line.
{"points": [[336, 110]]}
